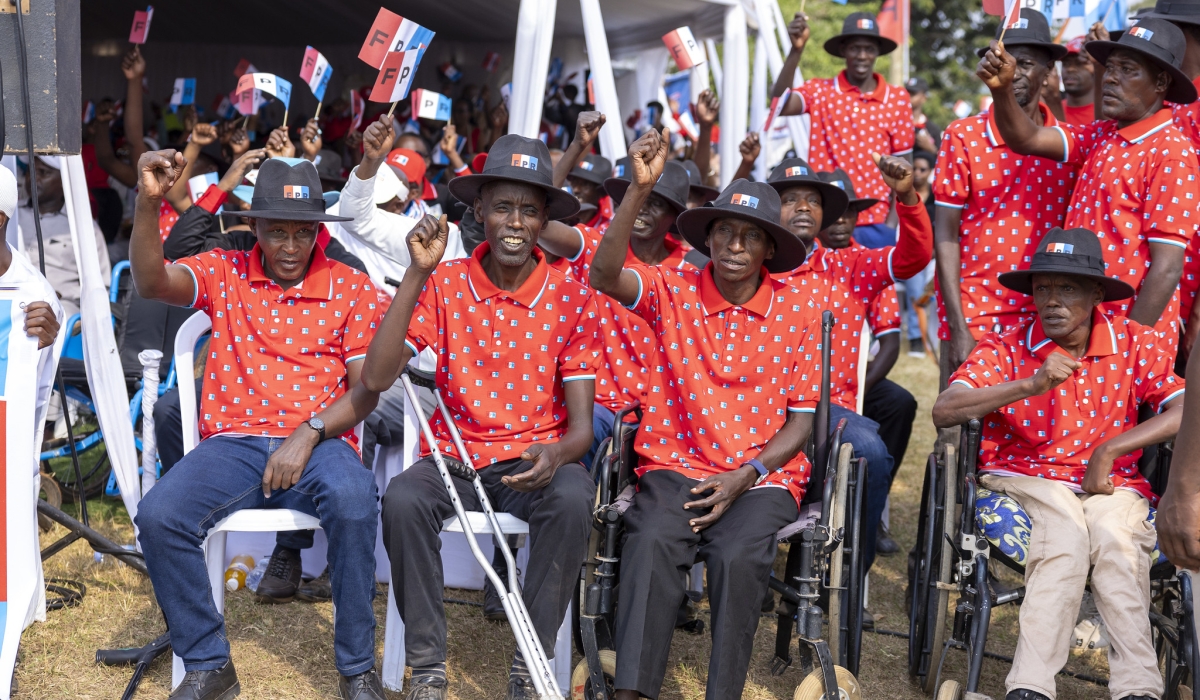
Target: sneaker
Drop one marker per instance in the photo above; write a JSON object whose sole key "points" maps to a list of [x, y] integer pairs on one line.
{"points": [[521, 689], [317, 590], [427, 688], [885, 546], [221, 684], [916, 347], [363, 686], [282, 579], [1025, 694]]}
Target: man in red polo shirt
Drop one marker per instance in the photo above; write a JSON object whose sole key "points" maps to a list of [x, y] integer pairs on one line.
{"points": [[853, 115], [994, 205], [730, 405], [517, 357], [290, 331], [1137, 184], [846, 281], [1058, 396], [1078, 82]]}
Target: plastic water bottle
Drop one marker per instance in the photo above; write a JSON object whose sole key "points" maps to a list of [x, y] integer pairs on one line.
{"points": [[239, 569], [257, 574]]}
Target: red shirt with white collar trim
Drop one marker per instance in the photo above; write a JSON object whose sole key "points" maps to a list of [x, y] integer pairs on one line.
{"points": [[1008, 203], [848, 125], [1187, 120], [1136, 186], [503, 358], [1054, 435], [277, 357], [725, 376]]}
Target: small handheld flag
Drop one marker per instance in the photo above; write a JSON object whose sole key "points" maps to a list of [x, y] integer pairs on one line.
{"points": [[1008, 10], [272, 85], [315, 71], [225, 109], [141, 25], [684, 49], [357, 107], [777, 105], [452, 74], [184, 92], [199, 184], [243, 67], [396, 76], [506, 94], [491, 61], [392, 33], [1076, 8], [690, 129], [89, 112], [427, 104]]}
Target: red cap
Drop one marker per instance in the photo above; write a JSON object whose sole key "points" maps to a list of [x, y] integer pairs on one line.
{"points": [[1075, 45], [478, 162], [413, 166]]}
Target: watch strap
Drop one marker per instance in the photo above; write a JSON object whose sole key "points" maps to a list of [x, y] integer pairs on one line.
{"points": [[759, 467]]}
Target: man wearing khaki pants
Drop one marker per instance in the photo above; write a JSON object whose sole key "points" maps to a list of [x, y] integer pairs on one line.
{"points": [[1058, 397]]}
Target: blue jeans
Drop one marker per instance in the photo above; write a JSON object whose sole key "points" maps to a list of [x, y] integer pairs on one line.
{"points": [[224, 475], [914, 288], [602, 428], [863, 434], [875, 235]]}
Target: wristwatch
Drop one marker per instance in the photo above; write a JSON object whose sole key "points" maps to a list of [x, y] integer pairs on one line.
{"points": [[758, 467], [318, 425]]}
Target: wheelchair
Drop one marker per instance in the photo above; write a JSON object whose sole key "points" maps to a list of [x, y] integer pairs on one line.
{"points": [[823, 572], [963, 527]]}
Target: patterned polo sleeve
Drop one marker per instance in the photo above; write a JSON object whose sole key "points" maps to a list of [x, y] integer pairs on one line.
{"points": [[1170, 215], [208, 275], [809, 93], [989, 364], [903, 132], [580, 355], [806, 380], [364, 314], [952, 185], [1078, 141], [884, 314], [424, 330], [589, 243], [1155, 381], [653, 292]]}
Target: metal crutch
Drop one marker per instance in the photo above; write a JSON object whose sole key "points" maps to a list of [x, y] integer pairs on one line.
{"points": [[528, 643]]}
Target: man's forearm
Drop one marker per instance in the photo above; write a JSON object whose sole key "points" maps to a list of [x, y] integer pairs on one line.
{"points": [[878, 369], [788, 442], [786, 74], [108, 160], [949, 274], [146, 249], [914, 244], [350, 409], [1159, 284], [178, 196], [569, 160], [134, 116], [609, 260], [1015, 126], [1160, 428], [959, 404], [388, 352], [703, 155], [744, 170]]}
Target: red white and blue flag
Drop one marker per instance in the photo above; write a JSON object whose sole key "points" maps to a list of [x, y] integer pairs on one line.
{"points": [[392, 33], [396, 75], [427, 104], [267, 83], [141, 25], [491, 61], [315, 71], [684, 49]]}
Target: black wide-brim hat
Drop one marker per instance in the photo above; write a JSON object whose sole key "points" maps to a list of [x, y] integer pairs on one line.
{"points": [[839, 179], [1032, 29], [592, 168], [1187, 12], [672, 186], [756, 202], [696, 182], [1161, 42], [519, 160], [1074, 252], [284, 192], [860, 24], [795, 172]]}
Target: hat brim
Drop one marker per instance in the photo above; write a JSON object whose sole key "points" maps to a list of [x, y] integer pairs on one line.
{"points": [[1022, 281], [559, 204], [861, 205], [834, 46], [834, 199], [1175, 19], [589, 175], [708, 193], [617, 187], [1057, 51], [1182, 90], [292, 215], [693, 224]]}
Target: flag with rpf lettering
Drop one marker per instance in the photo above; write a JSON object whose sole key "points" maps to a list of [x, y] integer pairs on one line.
{"points": [[491, 61], [141, 25], [1008, 10], [427, 104], [184, 92], [268, 83], [396, 75], [315, 71], [683, 48], [243, 67], [392, 33]]}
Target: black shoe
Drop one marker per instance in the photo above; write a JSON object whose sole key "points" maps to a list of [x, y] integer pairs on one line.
{"points": [[1137, 697], [1025, 694], [282, 579], [521, 689], [427, 688], [493, 609], [317, 590], [916, 347], [868, 621], [885, 546], [364, 686], [221, 684]]}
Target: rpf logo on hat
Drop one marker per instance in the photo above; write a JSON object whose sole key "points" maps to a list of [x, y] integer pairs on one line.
{"points": [[1021, 23], [795, 171], [402, 158], [1066, 248], [744, 200], [520, 160], [619, 171], [838, 184], [865, 23], [1075, 45], [1141, 33], [587, 165], [295, 192]]}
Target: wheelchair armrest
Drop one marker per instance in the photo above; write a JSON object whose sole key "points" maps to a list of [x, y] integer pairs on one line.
{"points": [[422, 379]]}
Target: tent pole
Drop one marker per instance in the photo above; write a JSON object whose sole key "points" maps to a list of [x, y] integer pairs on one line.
{"points": [[734, 98], [612, 139]]}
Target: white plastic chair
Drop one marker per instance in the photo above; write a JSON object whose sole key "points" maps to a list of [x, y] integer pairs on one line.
{"points": [[393, 641], [249, 520]]}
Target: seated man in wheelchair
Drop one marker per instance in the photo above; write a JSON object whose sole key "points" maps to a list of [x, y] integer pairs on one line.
{"points": [[1058, 397], [517, 351], [730, 404], [290, 331]]}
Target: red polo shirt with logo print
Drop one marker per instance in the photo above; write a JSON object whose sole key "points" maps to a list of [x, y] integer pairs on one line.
{"points": [[848, 125], [1187, 120], [277, 357], [503, 358], [1008, 203], [1053, 435]]}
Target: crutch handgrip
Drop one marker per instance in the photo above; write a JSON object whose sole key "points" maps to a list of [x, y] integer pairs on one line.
{"points": [[459, 470], [425, 380]]}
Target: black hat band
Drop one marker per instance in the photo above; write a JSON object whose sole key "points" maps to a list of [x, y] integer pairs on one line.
{"points": [[1074, 259]]}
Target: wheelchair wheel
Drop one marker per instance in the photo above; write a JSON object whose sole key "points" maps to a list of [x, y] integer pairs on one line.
{"points": [[938, 596], [52, 494], [813, 687], [855, 577], [837, 521], [950, 690], [579, 677], [918, 571]]}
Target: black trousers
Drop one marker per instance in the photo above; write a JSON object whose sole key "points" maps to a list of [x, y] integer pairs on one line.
{"points": [[660, 549], [894, 409], [414, 507]]}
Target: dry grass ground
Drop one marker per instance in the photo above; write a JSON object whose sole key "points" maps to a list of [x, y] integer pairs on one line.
{"points": [[287, 651]]}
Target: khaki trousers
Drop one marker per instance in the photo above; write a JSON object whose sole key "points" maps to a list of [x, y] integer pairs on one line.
{"points": [[1073, 533]]}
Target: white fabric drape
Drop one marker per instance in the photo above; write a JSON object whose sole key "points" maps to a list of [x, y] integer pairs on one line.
{"points": [[769, 14], [604, 86], [531, 62], [758, 109], [733, 91], [714, 63], [101, 358], [12, 233]]}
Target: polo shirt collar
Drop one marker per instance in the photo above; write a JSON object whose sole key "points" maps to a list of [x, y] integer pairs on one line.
{"points": [[317, 282], [1140, 131], [1102, 341], [993, 133], [527, 294], [880, 94], [714, 303]]}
